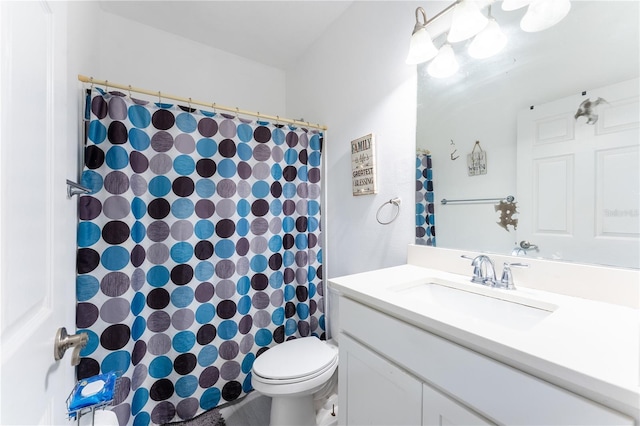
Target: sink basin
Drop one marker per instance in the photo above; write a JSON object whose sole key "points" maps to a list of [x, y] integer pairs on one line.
{"points": [[504, 308]]}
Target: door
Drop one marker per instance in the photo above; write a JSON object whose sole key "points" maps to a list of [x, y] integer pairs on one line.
{"points": [[578, 182], [439, 410], [373, 391], [37, 221]]}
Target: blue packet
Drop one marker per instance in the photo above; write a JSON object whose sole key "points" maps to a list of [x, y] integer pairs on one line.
{"points": [[91, 391]]}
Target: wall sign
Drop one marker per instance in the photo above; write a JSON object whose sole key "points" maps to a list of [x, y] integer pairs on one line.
{"points": [[477, 161], [363, 165]]}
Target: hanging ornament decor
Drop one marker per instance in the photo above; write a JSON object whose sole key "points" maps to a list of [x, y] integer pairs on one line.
{"points": [[477, 161]]}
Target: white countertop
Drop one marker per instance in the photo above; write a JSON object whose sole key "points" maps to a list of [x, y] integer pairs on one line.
{"points": [[589, 347]]}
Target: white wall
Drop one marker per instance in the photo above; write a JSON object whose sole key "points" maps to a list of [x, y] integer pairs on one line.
{"points": [[152, 59], [354, 80]]}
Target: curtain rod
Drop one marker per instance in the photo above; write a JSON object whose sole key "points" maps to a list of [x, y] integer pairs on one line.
{"points": [[190, 101]]}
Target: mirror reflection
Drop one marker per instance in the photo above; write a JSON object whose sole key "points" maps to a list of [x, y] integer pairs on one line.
{"points": [[500, 127]]}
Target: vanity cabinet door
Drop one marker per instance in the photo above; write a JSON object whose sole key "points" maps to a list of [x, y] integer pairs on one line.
{"points": [[439, 410], [373, 391]]}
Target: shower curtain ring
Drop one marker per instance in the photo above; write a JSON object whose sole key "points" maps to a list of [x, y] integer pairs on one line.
{"points": [[129, 91], [106, 86], [238, 113], [190, 105], [213, 105], [159, 97], [91, 80]]}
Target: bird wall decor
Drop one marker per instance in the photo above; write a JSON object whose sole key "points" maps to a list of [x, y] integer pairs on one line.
{"points": [[588, 110]]}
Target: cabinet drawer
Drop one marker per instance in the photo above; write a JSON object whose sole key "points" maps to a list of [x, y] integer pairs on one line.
{"points": [[498, 392]]}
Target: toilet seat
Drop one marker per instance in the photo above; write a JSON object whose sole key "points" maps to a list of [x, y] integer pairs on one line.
{"points": [[272, 381], [295, 361]]}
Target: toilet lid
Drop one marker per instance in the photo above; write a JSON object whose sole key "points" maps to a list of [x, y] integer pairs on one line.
{"points": [[295, 358]]}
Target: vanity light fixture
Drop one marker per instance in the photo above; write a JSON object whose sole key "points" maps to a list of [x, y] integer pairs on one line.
{"points": [[444, 64], [421, 48], [467, 21], [489, 41]]}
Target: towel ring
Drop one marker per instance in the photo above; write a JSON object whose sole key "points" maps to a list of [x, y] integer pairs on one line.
{"points": [[393, 201]]}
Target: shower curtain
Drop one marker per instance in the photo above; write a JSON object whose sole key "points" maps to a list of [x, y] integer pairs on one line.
{"points": [[425, 217], [198, 249]]}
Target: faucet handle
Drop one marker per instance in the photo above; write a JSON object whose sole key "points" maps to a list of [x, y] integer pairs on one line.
{"points": [[506, 281], [477, 269]]}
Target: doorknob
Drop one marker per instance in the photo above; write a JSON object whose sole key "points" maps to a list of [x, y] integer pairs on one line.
{"points": [[64, 341], [528, 246]]}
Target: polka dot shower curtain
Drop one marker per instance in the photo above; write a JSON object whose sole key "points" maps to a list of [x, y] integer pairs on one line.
{"points": [[425, 217], [198, 249]]}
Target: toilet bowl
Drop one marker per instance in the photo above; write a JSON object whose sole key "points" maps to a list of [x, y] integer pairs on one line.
{"points": [[291, 373]]}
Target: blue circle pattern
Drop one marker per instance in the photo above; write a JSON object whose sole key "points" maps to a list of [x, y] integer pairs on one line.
{"points": [[183, 341], [160, 367], [140, 398], [207, 356], [97, 132], [244, 305], [205, 313], [182, 297], [88, 234], [425, 218], [91, 180], [139, 139], [139, 116], [206, 147], [184, 165], [150, 257], [186, 386], [87, 286]]}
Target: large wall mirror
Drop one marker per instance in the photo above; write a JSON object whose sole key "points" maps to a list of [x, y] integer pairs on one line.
{"points": [[522, 106]]}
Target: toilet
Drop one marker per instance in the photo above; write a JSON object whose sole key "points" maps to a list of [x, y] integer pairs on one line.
{"points": [[100, 418], [293, 374]]}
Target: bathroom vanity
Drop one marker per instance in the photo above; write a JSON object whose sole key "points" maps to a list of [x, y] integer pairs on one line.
{"points": [[421, 345]]}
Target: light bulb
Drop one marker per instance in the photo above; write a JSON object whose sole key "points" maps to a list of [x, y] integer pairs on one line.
{"points": [[444, 64], [543, 14], [488, 42], [421, 48], [467, 21]]}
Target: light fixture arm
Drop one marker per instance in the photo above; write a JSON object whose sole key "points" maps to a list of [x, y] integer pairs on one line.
{"points": [[438, 15], [420, 25]]}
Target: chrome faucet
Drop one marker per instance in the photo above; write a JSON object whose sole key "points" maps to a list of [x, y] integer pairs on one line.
{"points": [[484, 271]]}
